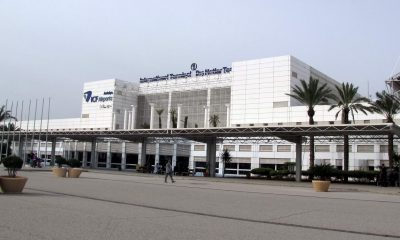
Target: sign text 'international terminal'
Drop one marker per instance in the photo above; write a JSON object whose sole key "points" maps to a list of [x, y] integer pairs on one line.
{"points": [[192, 73]]}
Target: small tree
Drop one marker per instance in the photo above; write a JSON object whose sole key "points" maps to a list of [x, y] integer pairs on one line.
{"points": [[323, 172], [5, 114], [348, 101], [174, 117], [311, 93], [214, 120], [60, 161], [13, 164], [226, 158], [185, 122], [74, 163], [159, 112], [388, 106]]}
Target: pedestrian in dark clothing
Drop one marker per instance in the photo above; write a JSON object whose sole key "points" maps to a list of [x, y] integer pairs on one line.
{"points": [[383, 176], [168, 171]]}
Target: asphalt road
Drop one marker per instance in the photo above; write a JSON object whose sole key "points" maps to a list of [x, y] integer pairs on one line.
{"points": [[111, 206]]}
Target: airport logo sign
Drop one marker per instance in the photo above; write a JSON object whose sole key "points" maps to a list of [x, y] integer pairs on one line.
{"points": [[89, 97]]}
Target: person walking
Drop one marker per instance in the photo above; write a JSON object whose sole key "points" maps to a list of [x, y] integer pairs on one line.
{"points": [[168, 171]]}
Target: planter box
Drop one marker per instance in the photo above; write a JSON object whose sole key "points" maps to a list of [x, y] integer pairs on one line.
{"points": [[60, 172], [321, 186], [74, 172], [12, 184]]}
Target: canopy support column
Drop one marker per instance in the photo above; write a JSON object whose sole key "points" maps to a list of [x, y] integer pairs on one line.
{"points": [[211, 150], [298, 159]]}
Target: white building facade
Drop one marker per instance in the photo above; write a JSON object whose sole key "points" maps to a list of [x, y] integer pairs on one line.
{"points": [[249, 93]]}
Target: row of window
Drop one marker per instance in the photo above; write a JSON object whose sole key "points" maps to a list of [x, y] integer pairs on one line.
{"points": [[306, 148]]}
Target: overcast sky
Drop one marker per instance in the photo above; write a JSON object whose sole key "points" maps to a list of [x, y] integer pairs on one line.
{"points": [[50, 48]]}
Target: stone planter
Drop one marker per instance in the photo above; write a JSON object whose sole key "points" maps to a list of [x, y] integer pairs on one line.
{"points": [[12, 184], [74, 172], [321, 186], [60, 172]]}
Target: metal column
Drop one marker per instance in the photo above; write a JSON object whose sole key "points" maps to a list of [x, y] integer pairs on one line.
{"points": [[53, 151], [123, 156], [298, 159], [211, 151], [108, 161], [142, 153], [93, 154]]}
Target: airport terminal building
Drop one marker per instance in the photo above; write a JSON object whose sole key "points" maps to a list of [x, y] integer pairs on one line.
{"points": [[247, 93]]}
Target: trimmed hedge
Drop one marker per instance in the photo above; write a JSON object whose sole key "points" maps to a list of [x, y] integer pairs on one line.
{"points": [[262, 171], [268, 172], [356, 175]]}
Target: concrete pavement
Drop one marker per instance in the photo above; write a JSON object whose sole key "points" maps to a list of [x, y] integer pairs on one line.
{"points": [[123, 205]]}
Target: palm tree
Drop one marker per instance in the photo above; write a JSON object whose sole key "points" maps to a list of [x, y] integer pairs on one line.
{"points": [[388, 106], [348, 101], [9, 127], [174, 117], [214, 120], [159, 112], [311, 94], [226, 158], [185, 122], [5, 114]]}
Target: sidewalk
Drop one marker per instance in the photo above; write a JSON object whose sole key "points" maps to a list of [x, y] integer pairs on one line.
{"points": [[335, 187]]}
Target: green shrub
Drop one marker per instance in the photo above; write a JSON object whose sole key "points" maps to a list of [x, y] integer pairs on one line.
{"points": [[363, 176], [357, 175], [74, 163], [60, 161], [262, 171], [305, 173], [13, 164], [323, 171]]}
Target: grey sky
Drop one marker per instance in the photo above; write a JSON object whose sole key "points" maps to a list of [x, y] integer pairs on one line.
{"points": [[50, 48]]}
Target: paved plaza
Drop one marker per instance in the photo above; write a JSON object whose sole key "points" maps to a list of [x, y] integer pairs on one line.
{"points": [[122, 205]]}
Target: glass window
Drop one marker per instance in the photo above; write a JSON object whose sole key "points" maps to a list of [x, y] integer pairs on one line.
{"points": [[231, 165], [272, 166], [340, 148], [365, 148], [200, 164], [305, 148], [245, 148], [229, 147], [284, 148], [322, 148], [244, 165], [265, 148], [383, 148], [199, 147]]}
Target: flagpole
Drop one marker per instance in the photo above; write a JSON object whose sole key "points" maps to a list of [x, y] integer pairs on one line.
{"points": [[19, 132], [26, 130], [40, 131], [34, 126], [15, 128], [47, 129]]}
